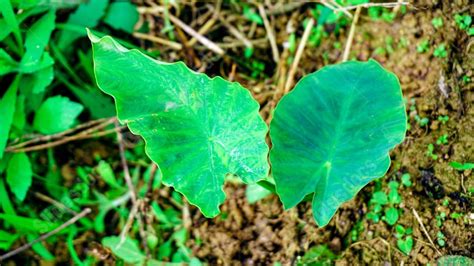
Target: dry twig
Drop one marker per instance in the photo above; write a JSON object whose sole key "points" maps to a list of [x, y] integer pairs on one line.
{"points": [[137, 203], [151, 179], [367, 5], [425, 231], [63, 141], [261, 42], [270, 33], [54, 202], [347, 49], [156, 39], [286, 8], [299, 53], [332, 4], [207, 26], [123, 160], [234, 31], [61, 134], [203, 40], [128, 224]]}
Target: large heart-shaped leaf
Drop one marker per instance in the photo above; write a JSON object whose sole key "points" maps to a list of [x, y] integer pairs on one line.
{"points": [[331, 135], [197, 129]]}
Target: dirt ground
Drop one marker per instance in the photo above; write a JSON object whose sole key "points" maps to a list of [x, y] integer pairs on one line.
{"points": [[262, 234]]}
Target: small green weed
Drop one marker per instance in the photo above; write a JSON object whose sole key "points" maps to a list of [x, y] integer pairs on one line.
{"points": [[292, 43], [440, 219], [437, 22], [404, 238], [403, 43], [461, 166], [405, 245], [356, 231], [317, 255], [442, 140], [445, 202], [440, 51], [379, 13], [251, 15], [386, 202], [422, 121], [248, 52], [406, 180], [443, 119], [456, 215], [423, 46], [464, 23], [466, 79], [430, 152], [441, 239]]}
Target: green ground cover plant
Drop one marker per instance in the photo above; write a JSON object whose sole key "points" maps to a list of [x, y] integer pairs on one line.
{"points": [[329, 140]]}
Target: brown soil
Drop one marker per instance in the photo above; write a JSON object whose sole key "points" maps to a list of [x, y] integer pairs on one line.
{"points": [[262, 234]]}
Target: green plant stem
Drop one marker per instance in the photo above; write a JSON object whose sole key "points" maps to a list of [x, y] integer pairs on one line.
{"points": [[63, 61]]}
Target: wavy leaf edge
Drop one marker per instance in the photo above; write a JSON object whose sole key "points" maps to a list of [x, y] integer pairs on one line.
{"points": [[287, 206], [95, 40]]}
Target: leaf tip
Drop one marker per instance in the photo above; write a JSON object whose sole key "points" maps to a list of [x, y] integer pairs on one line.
{"points": [[94, 38], [322, 218]]}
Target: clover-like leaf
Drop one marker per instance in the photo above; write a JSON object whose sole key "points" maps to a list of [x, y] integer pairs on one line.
{"points": [[331, 135], [197, 129]]}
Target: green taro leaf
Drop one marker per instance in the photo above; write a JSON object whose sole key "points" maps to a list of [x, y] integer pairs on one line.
{"points": [[331, 135], [56, 114], [19, 175], [196, 129]]}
